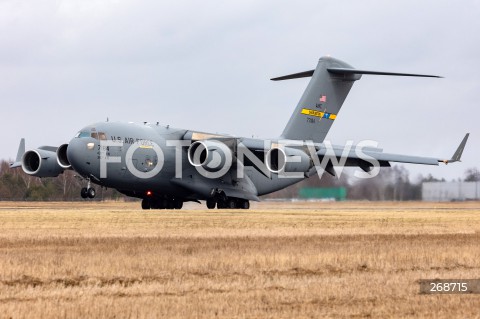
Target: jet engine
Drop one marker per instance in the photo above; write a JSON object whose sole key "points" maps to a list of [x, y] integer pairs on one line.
{"points": [[288, 160], [41, 163], [211, 155], [62, 158]]}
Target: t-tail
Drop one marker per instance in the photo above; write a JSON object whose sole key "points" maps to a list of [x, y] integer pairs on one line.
{"points": [[323, 98]]}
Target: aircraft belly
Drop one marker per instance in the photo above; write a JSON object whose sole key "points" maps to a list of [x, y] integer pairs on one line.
{"points": [[232, 187], [266, 185]]}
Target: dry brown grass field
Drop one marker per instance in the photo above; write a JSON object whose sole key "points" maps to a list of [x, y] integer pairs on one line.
{"points": [[276, 260]]}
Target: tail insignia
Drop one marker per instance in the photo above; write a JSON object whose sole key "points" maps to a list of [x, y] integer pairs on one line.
{"points": [[320, 114]]}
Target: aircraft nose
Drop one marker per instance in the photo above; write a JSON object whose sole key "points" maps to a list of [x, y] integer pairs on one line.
{"points": [[80, 154]]}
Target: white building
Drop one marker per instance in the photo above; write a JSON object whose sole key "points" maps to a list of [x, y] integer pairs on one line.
{"points": [[450, 191]]}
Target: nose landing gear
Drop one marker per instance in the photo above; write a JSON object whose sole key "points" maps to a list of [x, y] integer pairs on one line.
{"points": [[88, 192]]}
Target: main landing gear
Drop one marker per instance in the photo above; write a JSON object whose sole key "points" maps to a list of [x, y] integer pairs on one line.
{"points": [[88, 192], [221, 201], [161, 203]]}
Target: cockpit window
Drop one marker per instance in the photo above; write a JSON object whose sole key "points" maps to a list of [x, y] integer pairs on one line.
{"points": [[82, 134], [95, 135]]}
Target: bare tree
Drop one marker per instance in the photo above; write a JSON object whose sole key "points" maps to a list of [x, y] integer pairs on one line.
{"points": [[472, 175]]}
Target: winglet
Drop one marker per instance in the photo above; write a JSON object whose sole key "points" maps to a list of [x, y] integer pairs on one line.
{"points": [[458, 153], [21, 151]]}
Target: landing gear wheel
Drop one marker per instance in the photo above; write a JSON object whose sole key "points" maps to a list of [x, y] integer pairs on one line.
{"points": [[211, 203], [91, 192], [170, 204], [153, 203], [245, 204], [231, 203], [222, 200], [84, 192], [162, 204], [178, 204], [146, 204], [221, 204]]}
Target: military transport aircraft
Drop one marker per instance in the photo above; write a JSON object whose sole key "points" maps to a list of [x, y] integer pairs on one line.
{"points": [[166, 166]]}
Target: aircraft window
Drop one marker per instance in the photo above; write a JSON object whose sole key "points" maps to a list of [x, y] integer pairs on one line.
{"points": [[95, 135], [82, 134]]}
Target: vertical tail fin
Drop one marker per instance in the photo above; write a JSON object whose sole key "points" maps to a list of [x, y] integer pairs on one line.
{"points": [[319, 105]]}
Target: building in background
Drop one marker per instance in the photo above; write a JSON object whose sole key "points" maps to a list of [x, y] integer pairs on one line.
{"points": [[450, 191], [323, 193]]}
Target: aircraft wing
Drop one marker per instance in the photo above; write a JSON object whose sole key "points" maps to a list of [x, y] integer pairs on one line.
{"points": [[379, 156], [356, 158]]}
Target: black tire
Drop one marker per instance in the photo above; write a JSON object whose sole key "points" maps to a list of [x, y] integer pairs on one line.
{"points": [[178, 204], [222, 200], [245, 204], [162, 203], [154, 204], [146, 204], [231, 203], [91, 192], [221, 204], [211, 203], [84, 192]]}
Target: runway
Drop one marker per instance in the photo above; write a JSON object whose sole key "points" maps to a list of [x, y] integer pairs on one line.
{"points": [[276, 260]]}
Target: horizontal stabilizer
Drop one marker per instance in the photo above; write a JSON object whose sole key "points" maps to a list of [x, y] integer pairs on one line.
{"points": [[355, 71], [305, 74], [345, 71]]}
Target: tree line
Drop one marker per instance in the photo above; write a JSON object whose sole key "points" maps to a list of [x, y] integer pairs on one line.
{"points": [[390, 184], [15, 185]]}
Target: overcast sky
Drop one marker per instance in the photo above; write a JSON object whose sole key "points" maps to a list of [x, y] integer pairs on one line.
{"points": [[206, 65]]}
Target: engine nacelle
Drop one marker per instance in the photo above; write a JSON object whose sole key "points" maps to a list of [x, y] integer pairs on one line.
{"points": [[288, 160], [41, 163], [62, 158], [211, 155]]}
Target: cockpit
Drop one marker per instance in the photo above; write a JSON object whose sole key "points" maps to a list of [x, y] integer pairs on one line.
{"points": [[96, 135]]}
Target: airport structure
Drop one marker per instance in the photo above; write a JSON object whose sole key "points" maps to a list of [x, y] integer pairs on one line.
{"points": [[450, 191], [323, 193]]}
